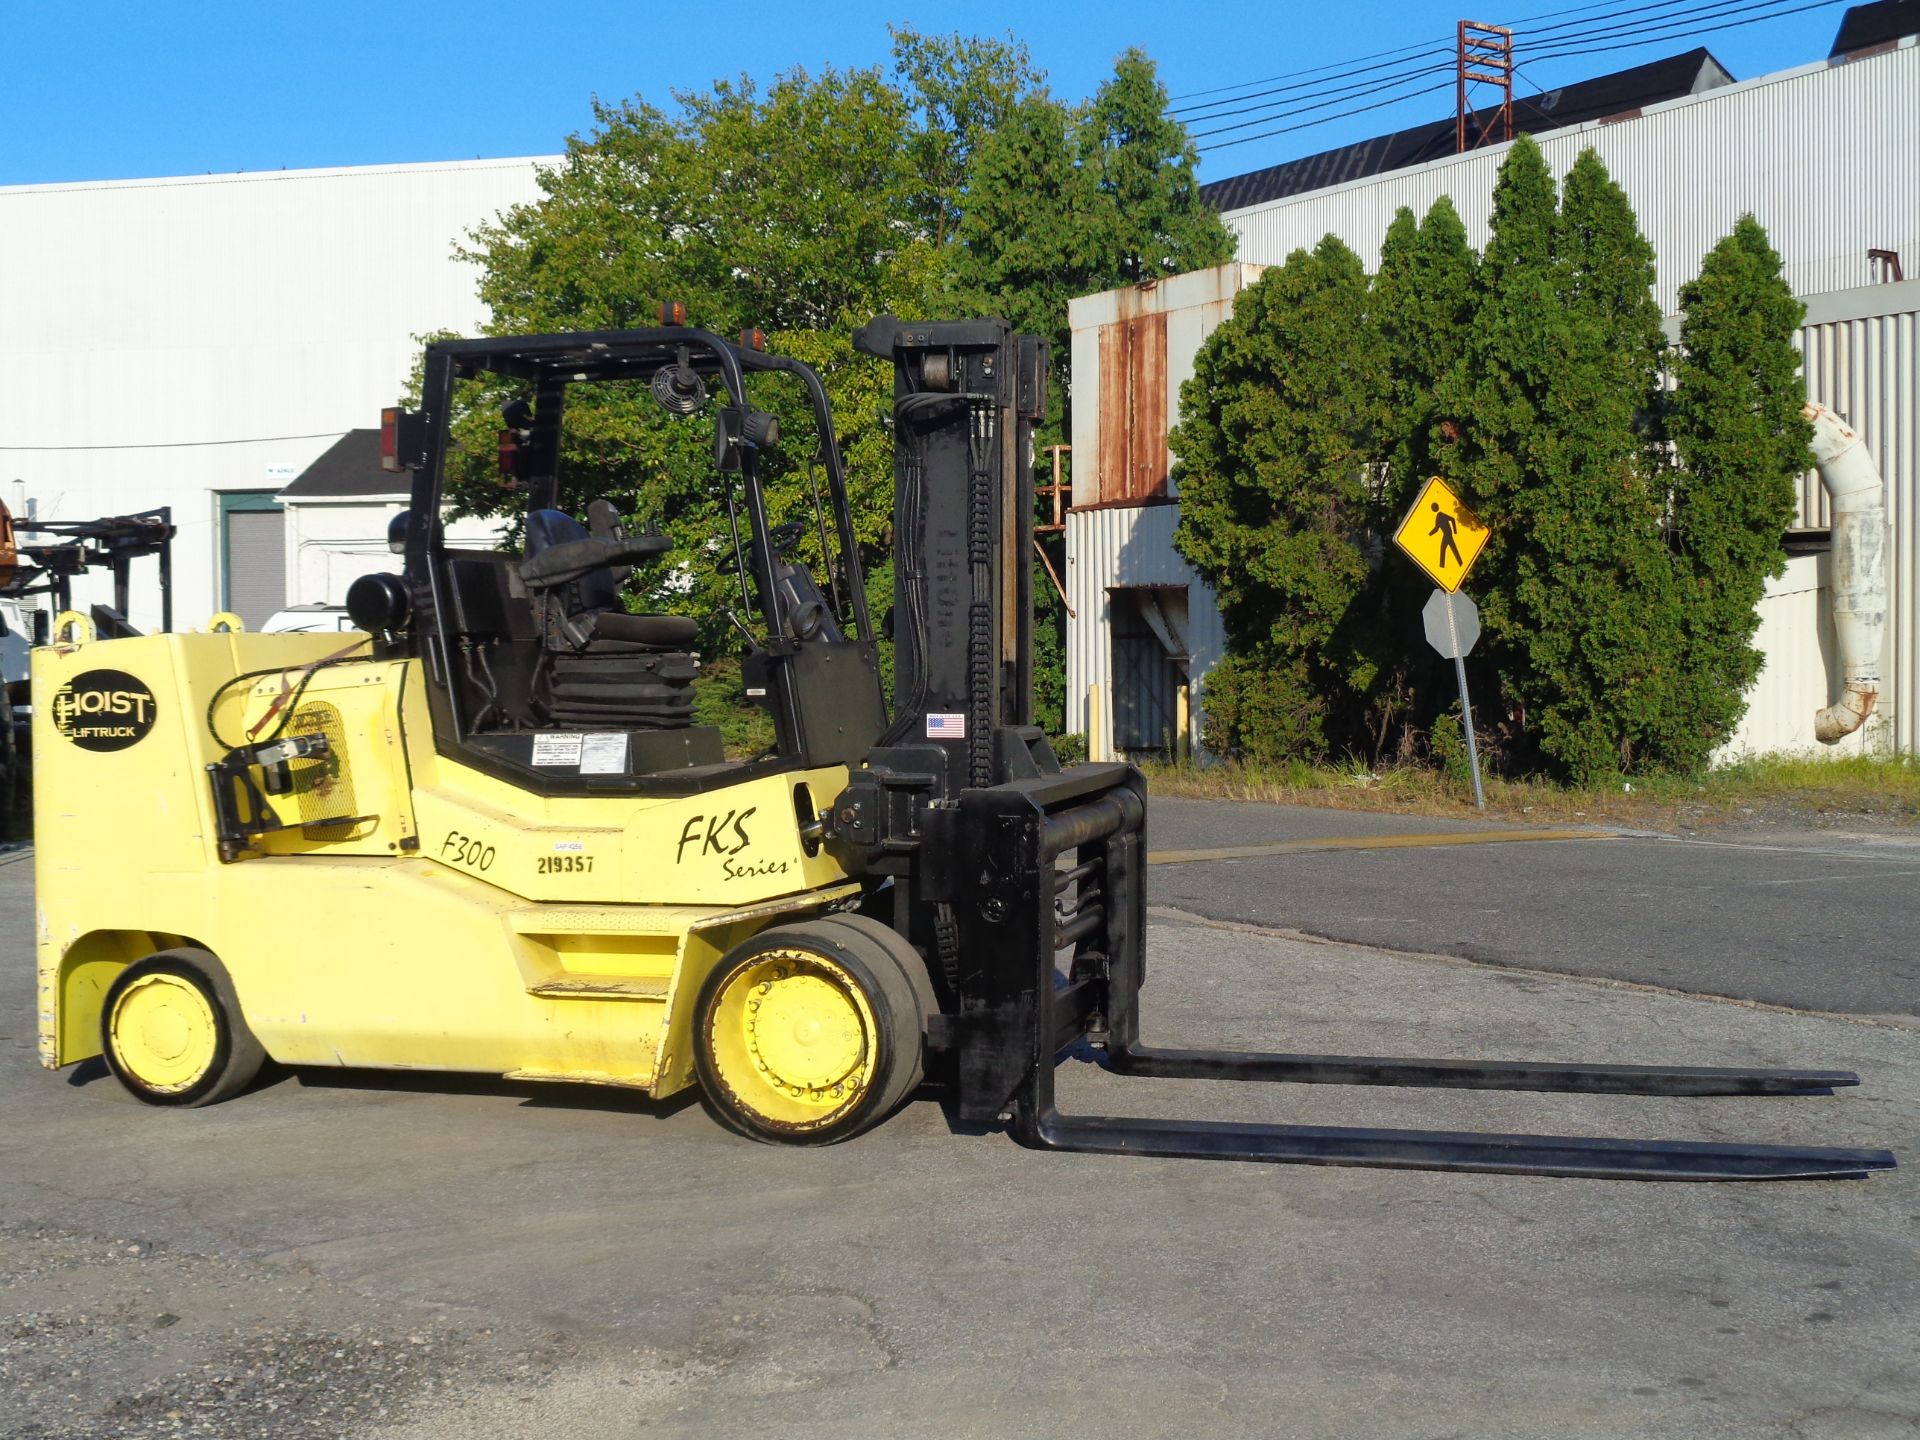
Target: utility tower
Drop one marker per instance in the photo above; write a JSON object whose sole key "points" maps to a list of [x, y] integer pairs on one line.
{"points": [[1483, 56]]}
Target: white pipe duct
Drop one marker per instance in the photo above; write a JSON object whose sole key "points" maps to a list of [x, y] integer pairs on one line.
{"points": [[1856, 496]]}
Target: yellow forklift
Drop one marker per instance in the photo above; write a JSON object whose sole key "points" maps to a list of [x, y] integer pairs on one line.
{"points": [[486, 834]]}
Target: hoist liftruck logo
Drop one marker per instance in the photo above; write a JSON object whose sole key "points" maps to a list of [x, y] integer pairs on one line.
{"points": [[104, 710]]}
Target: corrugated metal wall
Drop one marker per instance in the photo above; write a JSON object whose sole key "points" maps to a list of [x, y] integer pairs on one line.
{"points": [[144, 314], [1128, 546], [1132, 351], [1826, 157]]}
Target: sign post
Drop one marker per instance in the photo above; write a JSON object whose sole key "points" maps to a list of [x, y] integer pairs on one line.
{"points": [[1443, 537], [1453, 624]]}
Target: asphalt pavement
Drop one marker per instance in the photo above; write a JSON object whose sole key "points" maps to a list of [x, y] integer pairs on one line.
{"points": [[1814, 920], [430, 1257]]}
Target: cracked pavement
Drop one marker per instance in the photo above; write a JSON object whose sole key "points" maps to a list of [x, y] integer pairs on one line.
{"points": [[417, 1257]]}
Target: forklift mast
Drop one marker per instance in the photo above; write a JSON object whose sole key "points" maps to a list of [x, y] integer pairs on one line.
{"points": [[966, 396]]}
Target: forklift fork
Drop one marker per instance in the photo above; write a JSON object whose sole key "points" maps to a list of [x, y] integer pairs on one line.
{"points": [[1022, 829]]}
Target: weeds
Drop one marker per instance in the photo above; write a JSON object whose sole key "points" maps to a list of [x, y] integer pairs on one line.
{"points": [[1806, 790]]}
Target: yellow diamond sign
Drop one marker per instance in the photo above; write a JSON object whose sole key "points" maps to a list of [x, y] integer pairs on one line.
{"points": [[1442, 535]]}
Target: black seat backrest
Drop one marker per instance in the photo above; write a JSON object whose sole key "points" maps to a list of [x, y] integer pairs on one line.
{"points": [[595, 590]]}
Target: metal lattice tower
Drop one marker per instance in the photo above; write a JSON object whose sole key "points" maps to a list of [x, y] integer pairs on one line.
{"points": [[1484, 56]]}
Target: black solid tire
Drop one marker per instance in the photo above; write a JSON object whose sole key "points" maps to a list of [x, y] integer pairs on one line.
{"points": [[887, 986], [238, 1055]]}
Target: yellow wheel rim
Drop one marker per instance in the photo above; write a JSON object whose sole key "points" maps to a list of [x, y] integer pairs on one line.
{"points": [[164, 1032], [791, 1036]]}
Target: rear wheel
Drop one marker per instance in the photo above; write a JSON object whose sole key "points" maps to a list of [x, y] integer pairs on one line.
{"points": [[173, 1034], [811, 1033]]}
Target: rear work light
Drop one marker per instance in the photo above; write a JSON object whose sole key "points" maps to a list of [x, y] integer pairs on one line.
{"points": [[403, 436]]}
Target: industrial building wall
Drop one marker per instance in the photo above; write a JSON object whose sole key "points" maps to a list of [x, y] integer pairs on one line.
{"points": [[1825, 156], [1119, 547], [1132, 351], [1860, 358], [141, 319]]}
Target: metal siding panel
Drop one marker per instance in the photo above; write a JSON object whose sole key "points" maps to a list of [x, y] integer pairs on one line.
{"points": [[1692, 167], [1116, 365], [220, 307], [1129, 545]]}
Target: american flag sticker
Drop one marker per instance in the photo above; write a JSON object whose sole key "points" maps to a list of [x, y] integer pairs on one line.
{"points": [[946, 727]]}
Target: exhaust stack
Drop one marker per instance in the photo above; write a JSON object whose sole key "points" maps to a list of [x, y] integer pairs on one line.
{"points": [[1857, 497]]}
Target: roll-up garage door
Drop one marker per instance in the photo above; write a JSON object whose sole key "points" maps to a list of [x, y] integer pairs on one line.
{"points": [[255, 547]]}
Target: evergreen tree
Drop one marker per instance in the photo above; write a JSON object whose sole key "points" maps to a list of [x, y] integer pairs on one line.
{"points": [[1595, 579], [1024, 250], [1740, 441], [1556, 405], [1423, 296], [1423, 305], [1278, 429], [1150, 220], [1066, 202], [1495, 402]]}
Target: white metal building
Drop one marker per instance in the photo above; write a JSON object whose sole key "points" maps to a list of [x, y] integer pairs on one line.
{"points": [[200, 341], [1691, 166]]}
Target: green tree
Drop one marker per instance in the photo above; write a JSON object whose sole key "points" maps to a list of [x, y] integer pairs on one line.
{"points": [[1423, 307], [1066, 202], [1277, 436], [961, 89], [1734, 418], [1495, 402], [803, 209], [1423, 301], [778, 210], [1596, 583], [1150, 220], [1555, 404], [1062, 202]]}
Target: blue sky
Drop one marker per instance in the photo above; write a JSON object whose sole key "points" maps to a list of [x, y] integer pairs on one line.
{"points": [[113, 91]]}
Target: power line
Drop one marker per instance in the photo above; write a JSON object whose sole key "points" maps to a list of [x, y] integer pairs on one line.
{"points": [[1291, 74], [1325, 119], [1607, 26], [1687, 31], [1345, 66], [1335, 99], [1605, 20], [182, 444], [1304, 85], [1564, 46]]}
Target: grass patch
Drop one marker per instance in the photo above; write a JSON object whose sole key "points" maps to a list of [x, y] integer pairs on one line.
{"points": [[1806, 791]]}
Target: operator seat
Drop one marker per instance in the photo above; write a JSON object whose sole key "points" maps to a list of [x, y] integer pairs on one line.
{"points": [[600, 667]]}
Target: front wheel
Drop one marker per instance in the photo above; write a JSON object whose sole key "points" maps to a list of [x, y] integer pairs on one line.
{"points": [[173, 1034], [810, 1033]]}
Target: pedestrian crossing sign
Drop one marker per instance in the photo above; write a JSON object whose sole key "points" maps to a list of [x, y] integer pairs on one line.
{"points": [[1442, 535]]}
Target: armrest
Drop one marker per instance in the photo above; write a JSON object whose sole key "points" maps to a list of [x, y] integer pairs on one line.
{"points": [[569, 560]]}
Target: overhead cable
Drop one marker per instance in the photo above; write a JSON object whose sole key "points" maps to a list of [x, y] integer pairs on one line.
{"points": [[183, 444]]}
